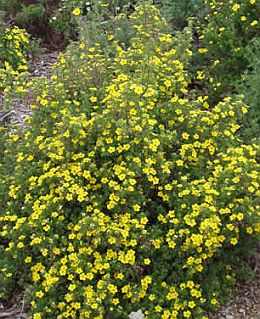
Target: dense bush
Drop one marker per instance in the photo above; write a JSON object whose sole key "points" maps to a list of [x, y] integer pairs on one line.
{"points": [[126, 194], [54, 21], [226, 32]]}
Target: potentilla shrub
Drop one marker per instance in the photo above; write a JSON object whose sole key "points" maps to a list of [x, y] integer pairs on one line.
{"points": [[127, 194], [13, 48], [226, 33]]}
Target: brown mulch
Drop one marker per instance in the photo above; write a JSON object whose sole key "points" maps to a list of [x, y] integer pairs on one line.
{"points": [[245, 303]]}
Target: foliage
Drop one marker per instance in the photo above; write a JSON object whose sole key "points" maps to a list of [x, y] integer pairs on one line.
{"points": [[30, 12], [249, 86], [2, 158], [13, 45], [127, 194], [100, 25], [177, 12], [57, 16], [227, 57], [225, 33]]}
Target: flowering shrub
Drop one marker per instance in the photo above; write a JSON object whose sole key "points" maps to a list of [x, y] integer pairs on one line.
{"points": [[13, 47], [227, 31], [126, 193]]}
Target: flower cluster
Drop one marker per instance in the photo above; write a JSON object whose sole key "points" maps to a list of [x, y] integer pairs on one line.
{"points": [[125, 189]]}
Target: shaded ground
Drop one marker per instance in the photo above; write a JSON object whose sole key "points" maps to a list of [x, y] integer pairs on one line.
{"points": [[245, 303]]}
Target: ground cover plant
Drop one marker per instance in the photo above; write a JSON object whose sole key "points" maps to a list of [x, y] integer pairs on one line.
{"points": [[125, 192]]}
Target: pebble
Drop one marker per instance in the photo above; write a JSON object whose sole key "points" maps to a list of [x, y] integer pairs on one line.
{"points": [[136, 315]]}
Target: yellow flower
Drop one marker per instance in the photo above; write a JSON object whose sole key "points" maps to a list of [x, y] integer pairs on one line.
{"points": [[115, 301], [112, 288], [236, 7], [233, 241], [76, 12], [186, 314], [203, 50], [136, 208], [147, 261], [185, 136], [253, 23], [28, 260], [15, 137], [191, 304], [39, 294], [249, 230], [138, 90], [158, 308], [214, 301], [93, 99]]}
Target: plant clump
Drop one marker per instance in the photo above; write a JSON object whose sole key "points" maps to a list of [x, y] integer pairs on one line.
{"points": [[127, 193], [13, 49]]}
